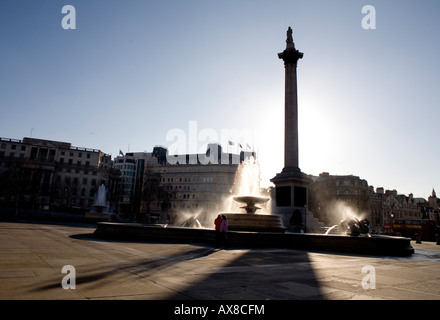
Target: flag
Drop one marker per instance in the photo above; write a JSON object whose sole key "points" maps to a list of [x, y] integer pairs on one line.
{"points": [[230, 143], [121, 153], [241, 147]]}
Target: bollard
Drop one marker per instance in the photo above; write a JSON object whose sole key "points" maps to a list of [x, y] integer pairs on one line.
{"points": [[418, 238]]}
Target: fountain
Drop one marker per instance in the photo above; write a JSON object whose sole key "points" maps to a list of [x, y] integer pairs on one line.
{"points": [[246, 190], [99, 211], [251, 201], [352, 227], [255, 230], [250, 221], [101, 202]]}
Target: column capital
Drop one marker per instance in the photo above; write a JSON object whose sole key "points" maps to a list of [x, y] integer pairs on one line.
{"points": [[290, 56]]}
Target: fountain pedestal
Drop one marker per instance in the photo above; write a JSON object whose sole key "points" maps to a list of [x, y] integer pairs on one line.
{"points": [[254, 222], [250, 221]]}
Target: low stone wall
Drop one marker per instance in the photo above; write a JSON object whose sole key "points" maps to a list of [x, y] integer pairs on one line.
{"points": [[375, 245]]}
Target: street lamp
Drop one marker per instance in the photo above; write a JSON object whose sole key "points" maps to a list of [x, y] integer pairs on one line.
{"points": [[392, 223]]}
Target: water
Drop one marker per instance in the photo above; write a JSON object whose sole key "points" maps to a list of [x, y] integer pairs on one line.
{"points": [[246, 183], [247, 178], [330, 229], [101, 196]]}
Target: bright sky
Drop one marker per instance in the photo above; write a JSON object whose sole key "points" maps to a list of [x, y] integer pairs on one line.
{"points": [[134, 72]]}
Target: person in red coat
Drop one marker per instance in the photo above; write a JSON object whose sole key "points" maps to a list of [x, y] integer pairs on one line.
{"points": [[217, 223]]}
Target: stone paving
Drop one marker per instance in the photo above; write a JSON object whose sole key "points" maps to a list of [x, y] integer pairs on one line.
{"points": [[32, 256]]}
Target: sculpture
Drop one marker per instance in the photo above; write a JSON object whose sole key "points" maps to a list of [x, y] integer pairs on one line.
{"points": [[289, 35]]}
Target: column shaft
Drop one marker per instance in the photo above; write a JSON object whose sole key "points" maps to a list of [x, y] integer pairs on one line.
{"points": [[291, 119]]}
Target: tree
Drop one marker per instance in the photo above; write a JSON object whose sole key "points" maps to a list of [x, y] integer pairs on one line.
{"points": [[153, 191], [14, 183]]}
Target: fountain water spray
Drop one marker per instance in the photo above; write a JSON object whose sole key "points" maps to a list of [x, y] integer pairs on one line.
{"points": [[101, 203], [246, 188], [351, 222]]}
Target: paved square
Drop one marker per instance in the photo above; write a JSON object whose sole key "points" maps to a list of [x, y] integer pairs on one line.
{"points": [[32, 256]]}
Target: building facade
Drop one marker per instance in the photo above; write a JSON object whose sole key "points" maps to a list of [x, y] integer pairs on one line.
{"points": [[51, 175], [197, 185], [433, 209], [131, 167], [333, 198]]}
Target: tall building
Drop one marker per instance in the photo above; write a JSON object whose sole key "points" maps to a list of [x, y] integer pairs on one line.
{"points": [[51, 175], [131, 166]]}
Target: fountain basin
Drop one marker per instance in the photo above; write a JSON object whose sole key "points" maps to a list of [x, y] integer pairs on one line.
{"points": [[251, 199], [251, 202], [97, 216], [374, 245], [254, 222]]}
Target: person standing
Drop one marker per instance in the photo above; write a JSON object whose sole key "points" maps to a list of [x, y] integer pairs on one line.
{"points": [[224, 230], [217, 223]]}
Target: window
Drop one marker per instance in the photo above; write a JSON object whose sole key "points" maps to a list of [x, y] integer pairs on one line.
{"points": [[283, 196], [300, 196]]}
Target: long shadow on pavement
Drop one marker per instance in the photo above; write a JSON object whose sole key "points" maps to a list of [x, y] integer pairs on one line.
{"points": [[258, 274]]}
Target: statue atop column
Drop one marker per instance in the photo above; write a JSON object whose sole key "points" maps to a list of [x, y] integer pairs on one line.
{"points": [[289, 40], [290, 55]]}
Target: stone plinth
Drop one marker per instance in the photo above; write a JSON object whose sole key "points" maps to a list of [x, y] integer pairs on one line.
{"points": [[291, 198]]}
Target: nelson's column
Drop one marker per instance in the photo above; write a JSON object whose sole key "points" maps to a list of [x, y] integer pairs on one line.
{"points": [[291, 184]]}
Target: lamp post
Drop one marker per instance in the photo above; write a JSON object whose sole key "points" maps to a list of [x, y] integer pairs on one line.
{"points": [[392, 222]]}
